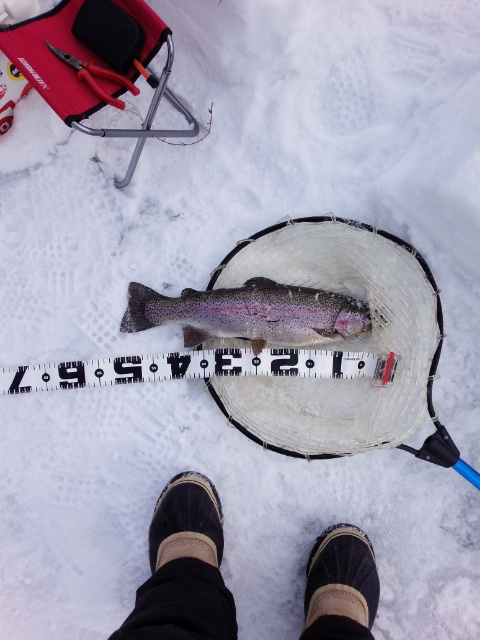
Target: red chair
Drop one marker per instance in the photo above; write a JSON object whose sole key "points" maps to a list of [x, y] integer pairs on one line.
{"points": [[103, 41]]}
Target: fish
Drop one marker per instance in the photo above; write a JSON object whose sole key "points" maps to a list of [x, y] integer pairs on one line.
{"points": [[262, 311]]}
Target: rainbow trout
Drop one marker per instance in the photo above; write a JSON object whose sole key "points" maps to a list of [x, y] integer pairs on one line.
{"points": [[261, 311]]}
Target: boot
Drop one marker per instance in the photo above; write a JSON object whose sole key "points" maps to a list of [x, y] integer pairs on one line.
{"points": [[342, 577], [187, 522]]}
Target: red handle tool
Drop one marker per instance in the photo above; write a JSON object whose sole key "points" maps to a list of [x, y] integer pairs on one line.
{"points": [[86, 71], [89, 70]]}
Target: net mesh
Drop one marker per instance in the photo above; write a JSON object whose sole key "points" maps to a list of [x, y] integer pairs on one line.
{"points": [[338, 417]]}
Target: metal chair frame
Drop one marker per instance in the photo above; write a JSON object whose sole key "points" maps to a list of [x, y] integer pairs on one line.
{"points": [[147, 131]]}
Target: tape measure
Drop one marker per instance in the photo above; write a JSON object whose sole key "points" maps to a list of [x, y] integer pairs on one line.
{"points": [[105, 372]]}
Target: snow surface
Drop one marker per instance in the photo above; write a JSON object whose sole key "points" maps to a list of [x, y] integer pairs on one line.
{"points": [[367, 109]]}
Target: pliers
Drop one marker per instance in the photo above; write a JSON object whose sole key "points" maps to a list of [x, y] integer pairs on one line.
{"points": [[86, 71]]}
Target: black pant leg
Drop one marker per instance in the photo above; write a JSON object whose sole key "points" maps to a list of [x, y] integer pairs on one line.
{"points": [[336, 628], [186, 599]]}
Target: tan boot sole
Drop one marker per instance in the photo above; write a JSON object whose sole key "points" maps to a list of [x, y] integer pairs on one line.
{"points": [[337, 600], [187, 544]]}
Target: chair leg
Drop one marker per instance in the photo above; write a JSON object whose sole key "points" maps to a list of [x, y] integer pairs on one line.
{"points": [[175, 102], [160, 91]]}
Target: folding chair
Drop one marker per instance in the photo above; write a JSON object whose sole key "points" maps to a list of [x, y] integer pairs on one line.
{"points": [[104, 39]]}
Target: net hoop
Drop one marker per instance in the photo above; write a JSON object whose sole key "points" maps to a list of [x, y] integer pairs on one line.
{"points": [[318, 419]]}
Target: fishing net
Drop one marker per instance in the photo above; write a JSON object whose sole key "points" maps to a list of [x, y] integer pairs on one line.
{"points": [[328, 417]]}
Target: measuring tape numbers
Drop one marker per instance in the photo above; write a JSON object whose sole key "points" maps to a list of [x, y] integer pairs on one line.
{"points": [[104, 372]]}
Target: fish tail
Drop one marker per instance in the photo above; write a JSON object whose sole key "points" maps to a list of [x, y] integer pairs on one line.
{"points": [[134, 318]]}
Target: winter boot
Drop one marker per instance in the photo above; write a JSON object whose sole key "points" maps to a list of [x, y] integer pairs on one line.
{"points": [[187, 522], [342, 577]]}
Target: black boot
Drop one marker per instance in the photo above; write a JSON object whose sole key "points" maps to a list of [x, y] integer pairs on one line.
{"points": [[342, 577], [187, 522]]}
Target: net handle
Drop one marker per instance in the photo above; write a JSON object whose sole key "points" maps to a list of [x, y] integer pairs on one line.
{"points": [[440, 449]]}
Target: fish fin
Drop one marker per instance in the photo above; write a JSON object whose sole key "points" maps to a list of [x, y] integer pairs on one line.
{"points": [[192, 337], [260, 283], [325, 333], [188, 292], [257, 345], [134, 317]]}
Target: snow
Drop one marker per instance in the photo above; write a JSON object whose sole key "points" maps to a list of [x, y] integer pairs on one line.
{"points": [[368, 110]]}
